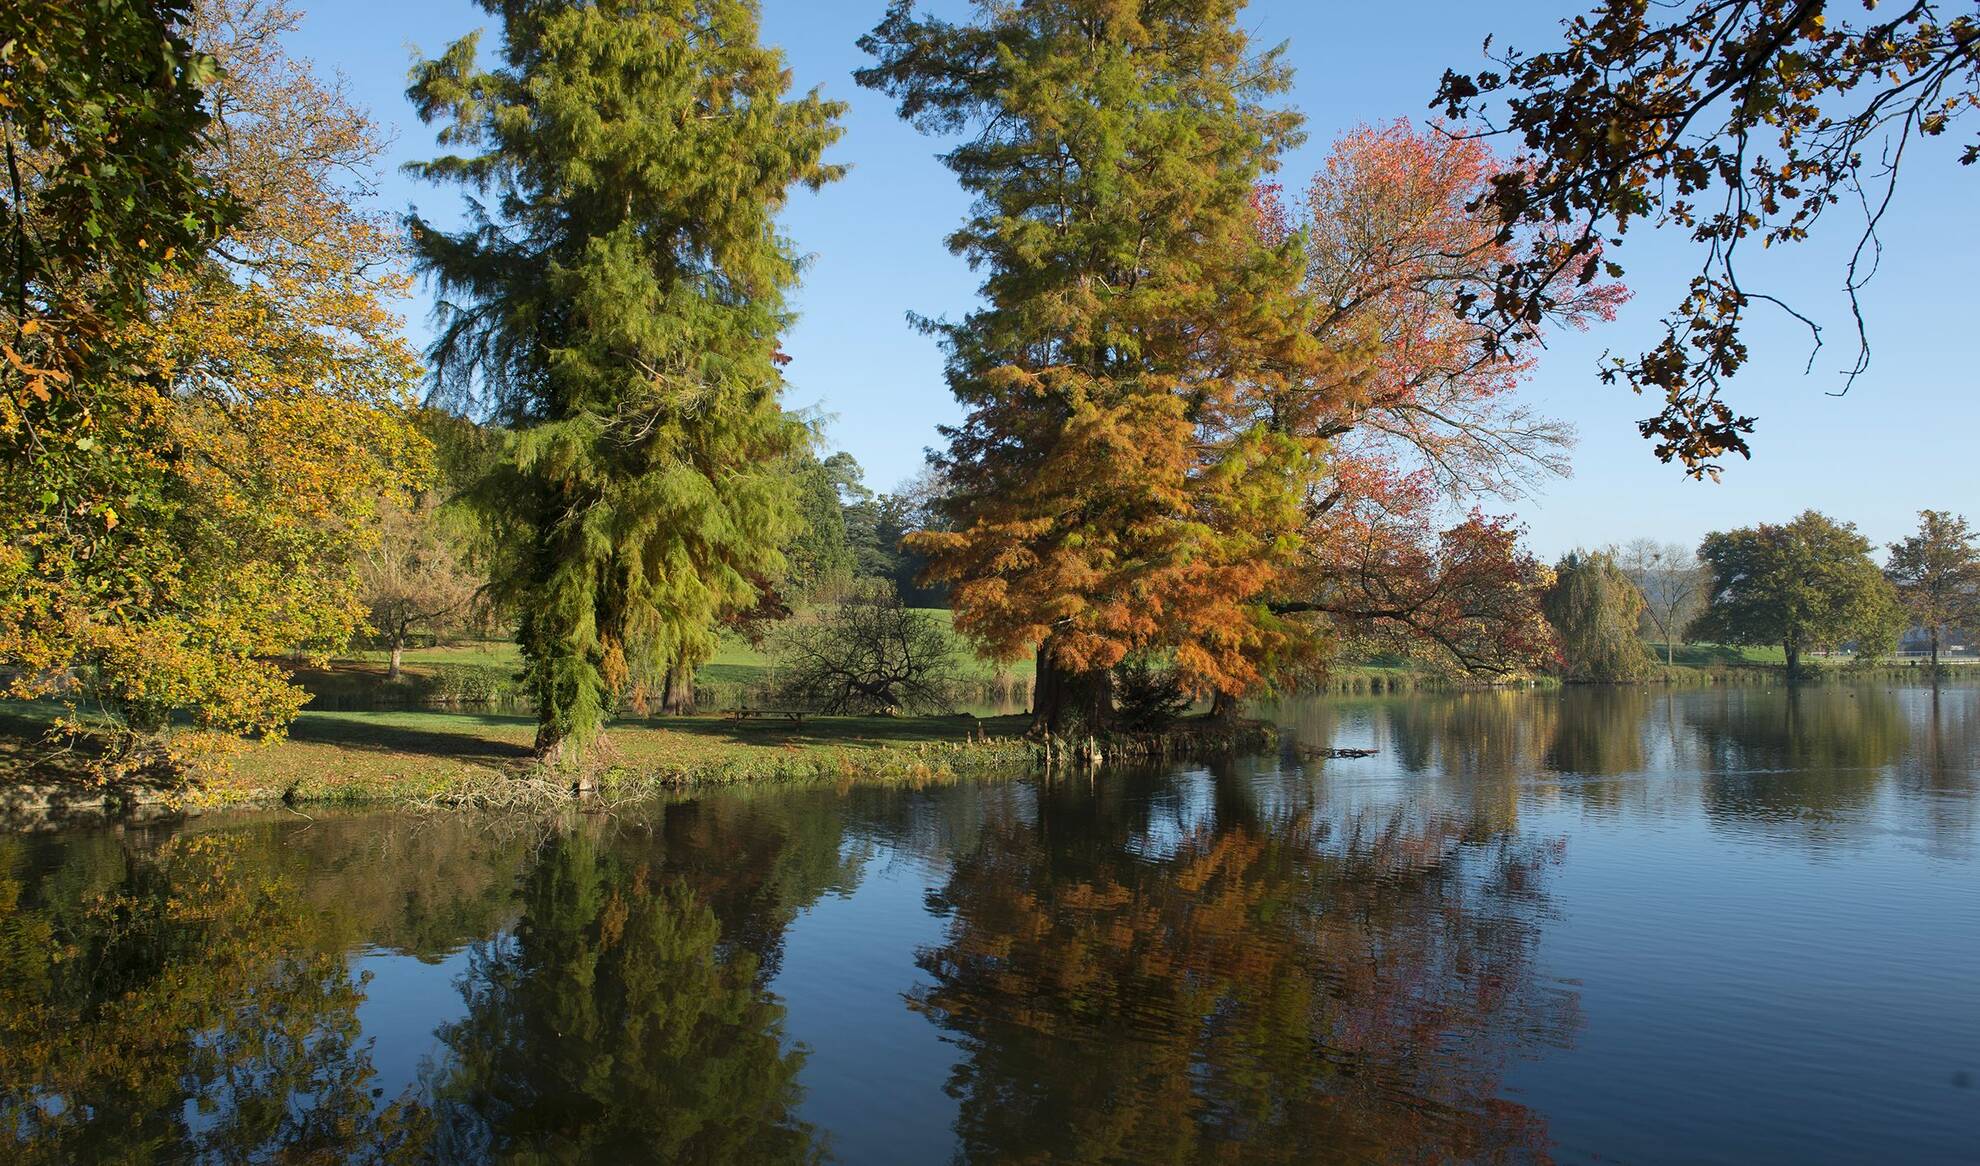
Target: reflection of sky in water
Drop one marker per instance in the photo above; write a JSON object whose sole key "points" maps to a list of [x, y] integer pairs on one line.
{"points": [[1768, 907], [404, 1002]]}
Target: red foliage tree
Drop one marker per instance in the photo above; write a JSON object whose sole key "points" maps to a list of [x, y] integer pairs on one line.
{"points": [[1422, 412]]}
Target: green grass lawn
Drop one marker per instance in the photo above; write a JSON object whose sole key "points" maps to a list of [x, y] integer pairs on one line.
{"points": [[736, 666], [1718, 655], [1730, 656], [358, 755]]}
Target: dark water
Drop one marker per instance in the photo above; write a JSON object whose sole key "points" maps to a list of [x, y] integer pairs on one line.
{"points": [[1720, 926]]}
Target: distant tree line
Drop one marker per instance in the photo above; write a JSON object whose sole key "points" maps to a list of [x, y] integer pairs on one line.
{"points": [[848, 532], [1802, 586]]}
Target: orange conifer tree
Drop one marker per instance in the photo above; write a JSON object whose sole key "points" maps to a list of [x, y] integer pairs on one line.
{"points": [[1105, 494]]}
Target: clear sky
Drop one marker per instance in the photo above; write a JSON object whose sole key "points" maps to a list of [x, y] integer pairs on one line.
{"points": [[1906, 436]]}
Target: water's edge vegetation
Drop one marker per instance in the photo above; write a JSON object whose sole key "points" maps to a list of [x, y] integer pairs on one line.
{"points": [[485, 761]]}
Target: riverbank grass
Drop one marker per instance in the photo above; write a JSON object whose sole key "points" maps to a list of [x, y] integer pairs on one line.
{"points": [[486, 759], [468, 757], [459, 757]]}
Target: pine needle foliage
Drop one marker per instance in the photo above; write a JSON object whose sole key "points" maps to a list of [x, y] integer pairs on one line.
{"points": [[616, 300]]}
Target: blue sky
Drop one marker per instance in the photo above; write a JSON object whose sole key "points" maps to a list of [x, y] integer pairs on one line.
{"points": [[1906, 436]]}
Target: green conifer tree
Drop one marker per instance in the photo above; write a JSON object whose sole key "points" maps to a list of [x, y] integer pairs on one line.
{"points": [[616, 300]]}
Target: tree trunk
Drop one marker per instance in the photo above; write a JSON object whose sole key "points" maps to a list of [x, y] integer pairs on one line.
{"points": [[1223, 706], [1792, 651], [564, 755], [677, 694], [1070, 702], [393, 670], [1935, 653]]}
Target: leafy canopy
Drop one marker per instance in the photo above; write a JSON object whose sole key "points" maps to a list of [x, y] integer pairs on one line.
{"points": [[1103, 495], [211, 457], [1803, 584], [1937, 573], [1595, 608], [1741, 122]]}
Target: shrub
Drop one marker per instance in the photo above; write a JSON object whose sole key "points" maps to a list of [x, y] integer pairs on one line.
{"points": [[1147, 698], [867, 653]]}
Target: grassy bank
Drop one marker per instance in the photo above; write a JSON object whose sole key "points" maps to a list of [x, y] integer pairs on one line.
{"points": [[1719, 664], [485, 759]]}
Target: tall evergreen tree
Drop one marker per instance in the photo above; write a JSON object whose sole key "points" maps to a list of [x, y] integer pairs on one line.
{"points": [[616, 299], [819, 553], [1102, 495]]}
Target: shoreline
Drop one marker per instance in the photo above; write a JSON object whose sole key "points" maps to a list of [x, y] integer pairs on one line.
{"points": [[456, 757], [445, 761]]}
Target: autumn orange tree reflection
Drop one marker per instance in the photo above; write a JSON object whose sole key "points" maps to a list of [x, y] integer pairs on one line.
{"points": [[1293, 989]]}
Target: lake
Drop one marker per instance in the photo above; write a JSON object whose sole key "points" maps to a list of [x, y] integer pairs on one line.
{"points": [[1724, 925]]}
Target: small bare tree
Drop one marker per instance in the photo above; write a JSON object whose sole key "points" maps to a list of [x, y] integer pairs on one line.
{"points": [[413, 579], [868, 653], [1673, 583]]}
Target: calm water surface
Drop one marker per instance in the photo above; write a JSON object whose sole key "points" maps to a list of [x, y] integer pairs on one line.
{"points": [[1733, 926]]}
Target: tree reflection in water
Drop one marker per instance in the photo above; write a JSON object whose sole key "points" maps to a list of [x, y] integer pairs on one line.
{"points": [[606, 1028], [179, 1004], [1286, 989]]}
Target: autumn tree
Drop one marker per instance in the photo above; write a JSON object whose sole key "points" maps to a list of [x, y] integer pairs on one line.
{"points": [[616, 302], [1260, 986], [256, 408], [1101, 494], [1393, 243], [1465, 599], [1672, 582], [1739, 122], [1803, 584], [103, 112], [1418, 409], [1937, 573], [1595, 609], [174, 1003], [413, 579]]}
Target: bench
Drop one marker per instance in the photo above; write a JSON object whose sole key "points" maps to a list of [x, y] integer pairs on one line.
{"points": [[794, 716]]}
